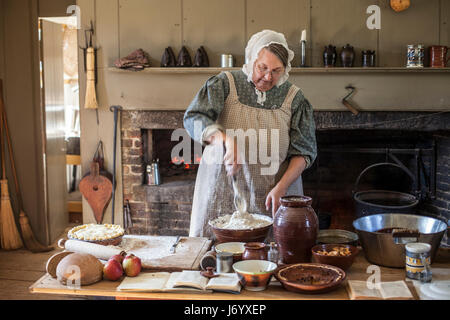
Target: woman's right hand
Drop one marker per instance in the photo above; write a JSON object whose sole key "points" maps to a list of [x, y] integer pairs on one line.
{"points": [[231, 158]]}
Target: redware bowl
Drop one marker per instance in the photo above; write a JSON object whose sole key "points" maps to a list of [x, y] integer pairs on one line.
{"points": [[343, 262], [241, 235], [310, 277]]}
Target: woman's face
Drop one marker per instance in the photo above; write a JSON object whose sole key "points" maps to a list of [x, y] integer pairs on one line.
{"points": [[267, 70]]}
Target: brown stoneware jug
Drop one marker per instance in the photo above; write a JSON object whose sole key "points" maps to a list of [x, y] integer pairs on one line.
{"points": [[295, 229], [347, 56], [254, 251]]}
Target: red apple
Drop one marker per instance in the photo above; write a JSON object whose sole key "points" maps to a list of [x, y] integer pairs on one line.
{"points": [[132, 265], [112, 270], [118, 257]]}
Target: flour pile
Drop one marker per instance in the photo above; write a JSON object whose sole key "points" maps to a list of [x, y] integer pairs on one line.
{"points": [[241, 220]]}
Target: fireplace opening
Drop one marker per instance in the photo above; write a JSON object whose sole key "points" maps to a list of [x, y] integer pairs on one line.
{"points": [[343, 156], [174, 163]]}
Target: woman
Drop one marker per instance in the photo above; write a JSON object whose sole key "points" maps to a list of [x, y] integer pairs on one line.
{"points": [[257, 99]]}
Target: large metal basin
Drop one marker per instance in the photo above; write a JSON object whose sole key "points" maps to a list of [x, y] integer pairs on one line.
{"points": [[387, 250]]}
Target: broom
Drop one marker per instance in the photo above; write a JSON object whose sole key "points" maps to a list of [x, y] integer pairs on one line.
{"points": [[90, 101], [27, 233], [10, 237]]}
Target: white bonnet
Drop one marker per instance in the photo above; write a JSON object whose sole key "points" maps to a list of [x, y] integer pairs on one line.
{"points": [[259, 41]]}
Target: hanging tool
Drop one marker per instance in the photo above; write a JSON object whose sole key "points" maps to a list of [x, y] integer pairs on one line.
{"points": [[96, 186], [90, 65], [116, 110], [346, 103], [127, 222]]}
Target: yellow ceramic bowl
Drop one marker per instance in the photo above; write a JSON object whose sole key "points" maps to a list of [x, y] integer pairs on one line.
{"points": [[254, 275]]}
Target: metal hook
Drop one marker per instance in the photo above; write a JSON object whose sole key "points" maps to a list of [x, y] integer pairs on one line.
{"points": [[346, 103], [351, 92]]}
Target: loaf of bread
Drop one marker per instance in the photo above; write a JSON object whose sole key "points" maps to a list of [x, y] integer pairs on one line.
{"points": [[79, 268]]}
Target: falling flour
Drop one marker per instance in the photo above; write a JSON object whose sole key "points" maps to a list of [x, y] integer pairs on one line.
{"points": [[240, 221]]}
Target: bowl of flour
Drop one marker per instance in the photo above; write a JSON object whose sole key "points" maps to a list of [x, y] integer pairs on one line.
{"points": [[241, 227]]}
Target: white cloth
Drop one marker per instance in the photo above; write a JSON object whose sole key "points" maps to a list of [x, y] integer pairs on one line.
{"points": [[256, 43]]}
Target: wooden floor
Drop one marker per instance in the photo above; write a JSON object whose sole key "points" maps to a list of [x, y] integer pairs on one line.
{"points": [[19, 269]]}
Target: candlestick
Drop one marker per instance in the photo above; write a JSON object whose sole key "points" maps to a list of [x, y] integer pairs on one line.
{"points": [[303, 49], [303, 35]]}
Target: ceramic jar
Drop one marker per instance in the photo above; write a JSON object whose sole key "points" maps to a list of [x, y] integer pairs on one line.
{"points": [[329, 56], [254, 251], [368, 58], [438, 56], [347, 56], [295, 229]]}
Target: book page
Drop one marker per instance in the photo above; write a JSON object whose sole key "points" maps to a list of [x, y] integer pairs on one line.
{"points": [[173, 285], [228, 282], [358, 290], [145, 282], [395, 290], [188, 278]]}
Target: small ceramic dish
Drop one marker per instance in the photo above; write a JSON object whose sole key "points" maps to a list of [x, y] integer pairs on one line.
{"points": [[235, 248], [254, 275], [310, 277], [338, 260], [337, 236]]}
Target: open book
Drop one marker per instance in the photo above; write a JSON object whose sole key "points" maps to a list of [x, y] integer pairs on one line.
{"points": [[394, 290], [185, 281]]}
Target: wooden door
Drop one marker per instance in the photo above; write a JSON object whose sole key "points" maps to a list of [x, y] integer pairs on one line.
{"points": [[55, 150]]}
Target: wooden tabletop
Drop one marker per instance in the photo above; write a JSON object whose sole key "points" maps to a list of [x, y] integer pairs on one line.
{"points": [[358, 271]]}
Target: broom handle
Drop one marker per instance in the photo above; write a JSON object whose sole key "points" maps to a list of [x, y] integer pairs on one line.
{"points": [[2, 107], [4, 124], [11, 156]]}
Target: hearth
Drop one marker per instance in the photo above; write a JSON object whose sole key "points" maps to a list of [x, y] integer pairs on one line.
{"points": [[344, 144]]}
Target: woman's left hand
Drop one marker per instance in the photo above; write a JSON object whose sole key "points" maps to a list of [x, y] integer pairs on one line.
{"points": [[273, 198]]}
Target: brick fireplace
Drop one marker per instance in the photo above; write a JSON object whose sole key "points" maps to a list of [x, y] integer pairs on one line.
{"points": [[166, 209]]}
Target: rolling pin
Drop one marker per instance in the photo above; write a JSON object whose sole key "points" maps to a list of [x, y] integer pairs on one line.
{"points": [[97, 250]]}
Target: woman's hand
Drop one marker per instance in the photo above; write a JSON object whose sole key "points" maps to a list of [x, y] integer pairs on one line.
{"points": [[273, 198], [231, 158]]}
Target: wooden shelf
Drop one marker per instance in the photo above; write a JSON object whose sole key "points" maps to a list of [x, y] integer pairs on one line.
{"points": [[215, 70]]}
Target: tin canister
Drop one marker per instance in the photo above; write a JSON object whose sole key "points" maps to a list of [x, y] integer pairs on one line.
{"points": [[417, 260], [415, 56], [227, 61], [224, 262]]}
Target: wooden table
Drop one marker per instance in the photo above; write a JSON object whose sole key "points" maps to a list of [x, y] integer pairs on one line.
{"points": [[358, 271]]}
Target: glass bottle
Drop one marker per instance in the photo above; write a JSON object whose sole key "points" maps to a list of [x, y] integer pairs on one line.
{"points": [[272, 255]]}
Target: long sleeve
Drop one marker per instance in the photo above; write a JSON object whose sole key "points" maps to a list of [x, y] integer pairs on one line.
{"points": [[206, 107], [303, 131]]}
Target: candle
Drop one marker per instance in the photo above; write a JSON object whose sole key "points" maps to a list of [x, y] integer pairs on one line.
{"points": [[303, 35]]}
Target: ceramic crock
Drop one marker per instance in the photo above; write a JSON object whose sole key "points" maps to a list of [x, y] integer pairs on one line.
{"points": [[295, 229], [254, 251]]}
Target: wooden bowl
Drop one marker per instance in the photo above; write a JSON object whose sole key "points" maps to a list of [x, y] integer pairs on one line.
{"points": [[343, 262], [310, 277], [241, 235]]}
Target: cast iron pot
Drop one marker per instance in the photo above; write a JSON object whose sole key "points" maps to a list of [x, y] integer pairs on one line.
{"points": [[383, 201], [388, 248]]}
